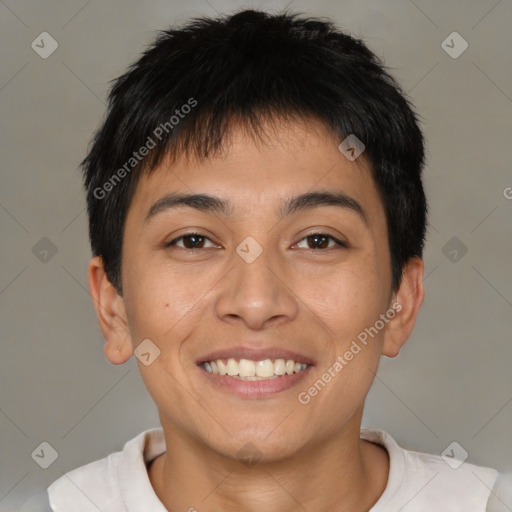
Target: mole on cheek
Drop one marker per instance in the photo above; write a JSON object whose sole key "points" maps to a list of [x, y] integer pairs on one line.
{"points": [[167, 305]]}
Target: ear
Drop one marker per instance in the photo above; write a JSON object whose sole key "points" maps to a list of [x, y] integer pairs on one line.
{"points": [[408, 300], [111, 314]]}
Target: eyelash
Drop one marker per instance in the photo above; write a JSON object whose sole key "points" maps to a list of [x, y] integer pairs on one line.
{"points": [[341, 244]]}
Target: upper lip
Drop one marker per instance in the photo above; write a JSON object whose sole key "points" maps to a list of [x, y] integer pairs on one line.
{"points": [[254, 354]]}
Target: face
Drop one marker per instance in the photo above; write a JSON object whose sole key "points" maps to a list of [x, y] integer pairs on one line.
{"points": [[298, 279]]}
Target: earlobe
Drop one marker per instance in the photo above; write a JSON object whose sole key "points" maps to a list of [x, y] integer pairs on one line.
{"points": [[410, 297], [111, 313]]}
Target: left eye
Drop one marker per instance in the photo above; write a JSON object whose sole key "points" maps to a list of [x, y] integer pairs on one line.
{"points": [[320, 241]]}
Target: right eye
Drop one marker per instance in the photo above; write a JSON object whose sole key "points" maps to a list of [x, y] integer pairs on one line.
{"points": [[190, 241]]}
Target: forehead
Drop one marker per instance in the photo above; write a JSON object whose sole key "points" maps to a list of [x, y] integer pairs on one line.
{"points": [[249, 173]]}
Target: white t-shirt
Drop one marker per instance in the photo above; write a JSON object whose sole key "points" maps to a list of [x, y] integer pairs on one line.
{"points": [[418, 482]]}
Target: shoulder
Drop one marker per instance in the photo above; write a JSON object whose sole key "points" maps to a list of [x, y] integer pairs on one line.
{"points": [[453, 475], [93, 483], [501, 496], [104, 482], [423, 481]]}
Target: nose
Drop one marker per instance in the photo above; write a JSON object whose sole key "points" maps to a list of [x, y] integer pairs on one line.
{"points": [[257, 293]]}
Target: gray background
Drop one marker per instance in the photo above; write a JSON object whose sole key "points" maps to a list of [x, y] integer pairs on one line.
{"points": [[451, 382]]}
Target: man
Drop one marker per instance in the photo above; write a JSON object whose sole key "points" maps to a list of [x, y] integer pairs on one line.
{"points": [[257, 219]]}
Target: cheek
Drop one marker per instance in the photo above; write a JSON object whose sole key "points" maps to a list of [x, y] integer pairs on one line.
{"points": [[357, 299], [349, 304], [350, 298], [158, 300]]}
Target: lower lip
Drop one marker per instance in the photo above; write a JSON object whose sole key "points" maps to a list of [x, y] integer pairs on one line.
{"points": [[255, 388]]}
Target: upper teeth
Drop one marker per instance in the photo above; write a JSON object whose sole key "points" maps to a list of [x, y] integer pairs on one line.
{"points": [[248, 368]]}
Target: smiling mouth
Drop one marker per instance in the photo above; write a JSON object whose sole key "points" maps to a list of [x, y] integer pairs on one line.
{"points": [[251, 370]]}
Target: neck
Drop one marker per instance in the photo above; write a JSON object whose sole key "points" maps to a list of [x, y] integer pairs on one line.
{"points": [[344, 473]]}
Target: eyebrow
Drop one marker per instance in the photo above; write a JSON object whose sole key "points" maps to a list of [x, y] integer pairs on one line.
{"points": [[211, 204]]}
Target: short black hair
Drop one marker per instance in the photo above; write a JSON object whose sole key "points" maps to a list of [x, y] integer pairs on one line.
{"points": [[195, 82]]}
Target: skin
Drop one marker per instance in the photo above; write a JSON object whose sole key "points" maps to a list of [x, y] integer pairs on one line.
{"points": [[312, 301]]}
